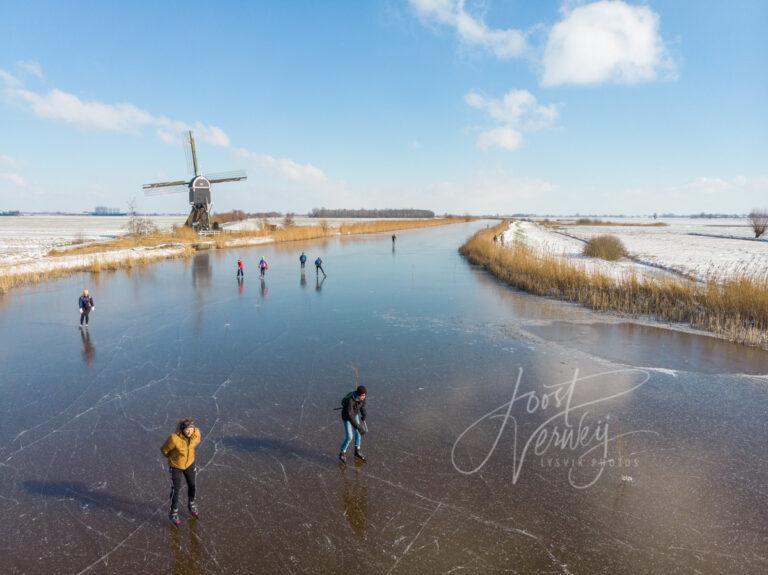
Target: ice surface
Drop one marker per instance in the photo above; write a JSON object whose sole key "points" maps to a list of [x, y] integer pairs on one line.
{"points": [[262, 365]]}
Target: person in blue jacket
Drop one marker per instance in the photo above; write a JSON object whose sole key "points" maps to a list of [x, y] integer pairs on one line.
{"points": [[86, 305], [319, 266], [303, 259]]}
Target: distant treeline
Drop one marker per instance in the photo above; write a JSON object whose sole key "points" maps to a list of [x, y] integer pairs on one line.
{"points": [[363, 213], [10, 213], [239, 215]]}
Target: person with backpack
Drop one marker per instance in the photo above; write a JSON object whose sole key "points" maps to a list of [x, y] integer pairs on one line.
{"points": [[179, 448], [319, 266], [353, 414], [303, 259], [86, 305], [239, 267], [263, 266]]}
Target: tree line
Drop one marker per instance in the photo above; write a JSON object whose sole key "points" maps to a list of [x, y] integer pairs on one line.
{"points": [[364, 213]]}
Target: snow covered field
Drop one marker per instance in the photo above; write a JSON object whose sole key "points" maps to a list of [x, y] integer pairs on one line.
{"points": [[699, 248], [24, 239]]}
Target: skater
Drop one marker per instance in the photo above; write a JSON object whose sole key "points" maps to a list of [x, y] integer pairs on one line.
{"points": [[85, 303], [239, 268], [303, 259], [394, 237], [263, 266], [179, 448], [353, 415], [319, 266]]}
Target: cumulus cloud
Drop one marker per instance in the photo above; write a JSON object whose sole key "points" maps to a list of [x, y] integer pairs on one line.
{"points": [[605, 41], [517, 112], [283, 167], [509, 43]]}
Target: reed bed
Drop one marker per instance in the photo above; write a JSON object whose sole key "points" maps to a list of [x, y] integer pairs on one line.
{"points": [[736, 309], [96, 265]]}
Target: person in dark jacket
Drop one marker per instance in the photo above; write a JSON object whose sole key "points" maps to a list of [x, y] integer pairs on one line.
{"points": [[353, 415], [303, 259], [86, 305], [319, 266]]}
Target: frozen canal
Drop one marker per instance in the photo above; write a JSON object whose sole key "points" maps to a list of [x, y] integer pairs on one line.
{"points": [[508, 433]]}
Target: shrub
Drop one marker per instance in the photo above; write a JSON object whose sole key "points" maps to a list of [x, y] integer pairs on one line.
{"points": [[758, 219], [605, 247]]}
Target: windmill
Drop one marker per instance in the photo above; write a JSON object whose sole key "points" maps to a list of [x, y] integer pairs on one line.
{"points": [[198, 185]]}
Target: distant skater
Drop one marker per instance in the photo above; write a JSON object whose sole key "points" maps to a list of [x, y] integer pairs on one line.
{"points": [[263, 267], [394, 237], [179, 448], [353, 415], [319, 266], [239, 267], [85, 303], [303, 259]]}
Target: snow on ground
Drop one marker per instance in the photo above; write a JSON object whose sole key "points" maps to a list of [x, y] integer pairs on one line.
{"points": [[551, 243], [24, 239], [698, 248], [81, 261]]}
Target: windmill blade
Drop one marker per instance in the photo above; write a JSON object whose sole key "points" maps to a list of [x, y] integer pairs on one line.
{"points": [[186, 144], [234, 176], [161, 191], [164, 184]]}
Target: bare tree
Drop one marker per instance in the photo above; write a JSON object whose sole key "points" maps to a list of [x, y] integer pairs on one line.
{"points": [[325, 226], [758, 219], [288, 221], [138, 225]]}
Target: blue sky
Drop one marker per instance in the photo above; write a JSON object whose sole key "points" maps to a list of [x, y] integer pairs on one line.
{"points": [[480, 107]]}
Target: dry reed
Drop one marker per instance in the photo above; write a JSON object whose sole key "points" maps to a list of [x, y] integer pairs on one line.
{"points": [[736, 309]]}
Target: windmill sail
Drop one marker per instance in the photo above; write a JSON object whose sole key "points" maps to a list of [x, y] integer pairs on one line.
{"points": [[233, 176]]}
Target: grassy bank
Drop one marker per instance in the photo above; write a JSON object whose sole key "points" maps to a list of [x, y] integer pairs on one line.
{"points": [[736, 309], [129, 251]]}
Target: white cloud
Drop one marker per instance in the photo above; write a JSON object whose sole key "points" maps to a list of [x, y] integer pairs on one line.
{"points": [[7, 160], [30, 67], [61, 106], [605, 41], [719, 186], [490, 192], [509, 43], [505, 138], [517, 112], [284, 167], [14, 179]]}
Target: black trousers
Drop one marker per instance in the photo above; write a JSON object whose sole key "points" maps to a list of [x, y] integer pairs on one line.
{"points": [[239, 272], [84, 316], [319, 269], [176, 475]]}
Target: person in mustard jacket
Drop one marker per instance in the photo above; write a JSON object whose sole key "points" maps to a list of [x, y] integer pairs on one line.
{"points": [[179, 448]]}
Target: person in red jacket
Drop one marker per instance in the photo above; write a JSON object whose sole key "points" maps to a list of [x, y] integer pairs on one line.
{"points": [[239, 267]]}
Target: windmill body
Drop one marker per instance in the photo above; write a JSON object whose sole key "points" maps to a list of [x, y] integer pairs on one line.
{"points": [[198, 186]]}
